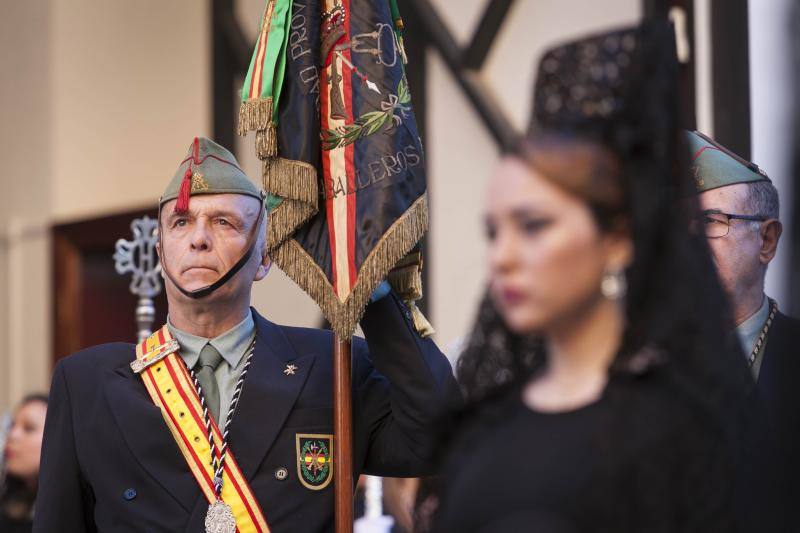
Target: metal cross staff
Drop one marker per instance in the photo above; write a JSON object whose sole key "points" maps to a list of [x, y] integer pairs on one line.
{"points": [[139, 257]]}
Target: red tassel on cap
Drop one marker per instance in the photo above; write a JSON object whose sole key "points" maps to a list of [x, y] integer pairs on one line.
{"points": [[182, 205]]}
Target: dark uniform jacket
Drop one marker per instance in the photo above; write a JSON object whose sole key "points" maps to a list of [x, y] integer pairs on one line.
{"points": [[109, 463], [780, 397]]}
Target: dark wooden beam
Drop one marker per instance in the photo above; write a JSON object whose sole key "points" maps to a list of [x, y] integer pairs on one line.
{"points": [[731, 75], [229, 55], [655, 8], [489, 26], [479, 96]]}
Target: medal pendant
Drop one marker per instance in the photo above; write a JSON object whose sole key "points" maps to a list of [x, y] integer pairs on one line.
{"points": [[219, 518]]}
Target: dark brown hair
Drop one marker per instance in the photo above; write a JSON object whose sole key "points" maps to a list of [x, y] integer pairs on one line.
{"points": [[583, 168], [18, 498]]}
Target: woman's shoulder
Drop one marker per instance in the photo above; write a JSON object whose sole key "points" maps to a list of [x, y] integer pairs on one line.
{"points": [[662, 403]]}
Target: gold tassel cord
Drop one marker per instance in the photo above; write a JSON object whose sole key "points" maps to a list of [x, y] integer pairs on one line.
{"points": [[406, 282], [421, 324], [398, 240]]}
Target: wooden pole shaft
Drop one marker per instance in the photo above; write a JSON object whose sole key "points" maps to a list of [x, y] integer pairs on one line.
{"points": [[343, 436]]}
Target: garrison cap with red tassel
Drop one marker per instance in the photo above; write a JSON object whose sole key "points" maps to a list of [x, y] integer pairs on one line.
{"points": [[208, 168], [346, 160], [714, 166]]}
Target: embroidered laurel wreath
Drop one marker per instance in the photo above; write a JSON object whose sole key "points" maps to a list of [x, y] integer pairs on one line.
{"points": [[370, 122]]}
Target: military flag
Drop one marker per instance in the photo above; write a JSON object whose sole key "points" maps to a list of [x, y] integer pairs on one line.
{"points": [[328, 98]]}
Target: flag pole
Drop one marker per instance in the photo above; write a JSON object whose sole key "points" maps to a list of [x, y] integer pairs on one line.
{"points": [[343, 436]]}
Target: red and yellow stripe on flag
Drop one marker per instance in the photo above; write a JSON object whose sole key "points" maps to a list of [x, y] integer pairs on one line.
{"points": [[264, 79], [170, 386], [339, 170]]}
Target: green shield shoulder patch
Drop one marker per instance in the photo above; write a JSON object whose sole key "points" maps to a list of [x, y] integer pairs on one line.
{"points": [[314, 460]]}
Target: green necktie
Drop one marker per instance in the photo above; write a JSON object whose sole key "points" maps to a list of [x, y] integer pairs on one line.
{"points": [[209, 360]]}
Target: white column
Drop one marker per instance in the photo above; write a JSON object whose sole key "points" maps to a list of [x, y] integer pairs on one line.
{"points": [[704, 103], [28, 294], [771, 100]]}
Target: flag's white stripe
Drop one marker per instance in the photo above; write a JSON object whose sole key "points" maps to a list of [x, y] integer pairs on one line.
{"points": [[338, 168]]}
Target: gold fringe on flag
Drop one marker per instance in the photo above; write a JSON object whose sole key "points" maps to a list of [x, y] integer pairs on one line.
{"points": [[291, 179], [398, 240], [285, 219], [255, 114], [267, 142], [296, 182]]}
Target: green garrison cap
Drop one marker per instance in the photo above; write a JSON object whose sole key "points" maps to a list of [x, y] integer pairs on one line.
{"points": [[715, 166], [208, 168]]}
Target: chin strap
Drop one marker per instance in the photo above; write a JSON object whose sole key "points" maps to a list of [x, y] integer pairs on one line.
{"points": [[208, 289]]}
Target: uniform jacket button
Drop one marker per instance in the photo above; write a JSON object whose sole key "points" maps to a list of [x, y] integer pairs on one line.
{"points": [[129, 494], [281, 473]]}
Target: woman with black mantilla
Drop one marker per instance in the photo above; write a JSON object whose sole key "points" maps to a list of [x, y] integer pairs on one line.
{"points": [[604, 394]]}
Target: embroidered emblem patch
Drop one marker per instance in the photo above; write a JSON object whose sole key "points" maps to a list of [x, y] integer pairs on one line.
{"points": [[314, 460], [697, 178], [199, 182]]}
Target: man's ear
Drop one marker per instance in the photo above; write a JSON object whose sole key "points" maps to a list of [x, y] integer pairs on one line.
{"points": [[263, 267], [158, 254], [770, 233]]}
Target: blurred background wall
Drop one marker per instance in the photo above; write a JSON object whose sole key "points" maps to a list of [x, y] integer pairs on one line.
{"points": [[99, 101]]}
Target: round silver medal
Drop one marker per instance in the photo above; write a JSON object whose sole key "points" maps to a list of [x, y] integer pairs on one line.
{"points": [[219, 518]]}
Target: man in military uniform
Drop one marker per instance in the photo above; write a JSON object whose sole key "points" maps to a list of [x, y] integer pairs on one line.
{"points": [[740, 217], [127, 445]]}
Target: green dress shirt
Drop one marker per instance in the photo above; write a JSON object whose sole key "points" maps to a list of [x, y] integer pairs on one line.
{"points": [[231, 345], [748, 332]]}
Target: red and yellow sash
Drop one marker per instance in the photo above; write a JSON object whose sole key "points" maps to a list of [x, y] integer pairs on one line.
{"points": [[170, 386]]}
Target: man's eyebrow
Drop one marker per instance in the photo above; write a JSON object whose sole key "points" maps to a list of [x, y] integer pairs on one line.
{"points": [[712, 212], [215, 213], [173, 215], [227, 214]]}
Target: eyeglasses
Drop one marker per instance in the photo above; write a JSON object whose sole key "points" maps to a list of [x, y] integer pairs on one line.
{"points": [[716, 225]]}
